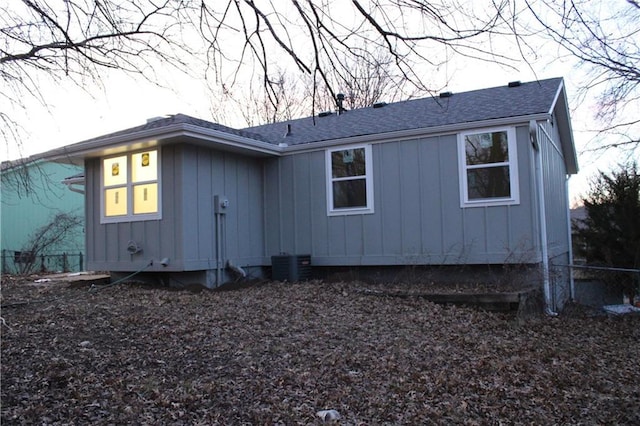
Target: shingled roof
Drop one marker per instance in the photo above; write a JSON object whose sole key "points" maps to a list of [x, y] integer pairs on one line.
{"points": [[513, 100], [178, 119], [508, 104]]}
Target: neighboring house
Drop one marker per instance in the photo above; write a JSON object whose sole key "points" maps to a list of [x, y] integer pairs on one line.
{"points": [[467, 178], [32, 196]]}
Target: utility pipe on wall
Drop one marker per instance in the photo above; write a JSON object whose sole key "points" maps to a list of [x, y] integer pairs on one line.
{"points": [[218, 225], [220, 204]]}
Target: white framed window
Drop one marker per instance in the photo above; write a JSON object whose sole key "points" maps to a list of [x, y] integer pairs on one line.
{"points": [[488, 167], [130, 187], [349, 180]]}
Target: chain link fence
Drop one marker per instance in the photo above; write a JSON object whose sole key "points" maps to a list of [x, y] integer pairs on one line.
{"points": [[22, 263], [598, 286]]}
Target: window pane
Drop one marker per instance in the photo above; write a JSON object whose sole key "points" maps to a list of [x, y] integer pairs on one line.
{"points": [[348, 162], [349, 193], [144, 166], [488, 182], [486, 148], [115, 202], [115, 171], [145, 198]]}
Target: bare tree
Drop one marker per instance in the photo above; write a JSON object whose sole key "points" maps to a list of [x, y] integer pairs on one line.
{"points": [[253, 106], [605, 38], [59, 229], [46, 41], [24, 178], [293, 96], [373, 81], [323, 38], [49, 42], [365, 82], [52, 41]]}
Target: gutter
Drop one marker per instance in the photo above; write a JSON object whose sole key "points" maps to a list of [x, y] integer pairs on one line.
{"points": [[153, 137], [400, 135], [70, 182], [148, 138]]}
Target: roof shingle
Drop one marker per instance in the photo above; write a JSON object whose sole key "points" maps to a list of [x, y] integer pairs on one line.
{"points": [[478, 105]]}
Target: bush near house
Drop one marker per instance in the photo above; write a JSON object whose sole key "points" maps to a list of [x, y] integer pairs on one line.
{"points": [[609, 235]]}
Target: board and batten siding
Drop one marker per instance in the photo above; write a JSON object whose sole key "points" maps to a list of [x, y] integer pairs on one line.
{"points": [[555, 189], [190, 177], [417, 217], [107, 242], [205, 174]]}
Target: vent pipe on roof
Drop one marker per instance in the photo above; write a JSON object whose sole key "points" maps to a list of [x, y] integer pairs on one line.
{"points": [[339, 103], [288, 131]]}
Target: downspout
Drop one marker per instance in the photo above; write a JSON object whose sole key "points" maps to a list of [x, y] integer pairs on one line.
{"points": [[533, 134], [74, 189], [218, 249], [220, 203], [572, 287], [223, 243], [241, 273], [70, 182]]}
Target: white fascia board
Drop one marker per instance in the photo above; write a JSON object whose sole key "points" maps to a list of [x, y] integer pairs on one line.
{"points": [[561, 107], [416, 133], [556, 97], [231, 140], [85, 148], [153, 137]]}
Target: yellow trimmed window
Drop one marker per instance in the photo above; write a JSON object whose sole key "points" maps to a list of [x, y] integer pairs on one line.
{"points": [[130, 187]]}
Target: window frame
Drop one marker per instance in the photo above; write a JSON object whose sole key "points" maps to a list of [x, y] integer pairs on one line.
{"points": [[511, 163], [368, 178], [130, 216]]}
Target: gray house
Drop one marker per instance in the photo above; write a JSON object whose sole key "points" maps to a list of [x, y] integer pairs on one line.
{"points": [[474, 178]]}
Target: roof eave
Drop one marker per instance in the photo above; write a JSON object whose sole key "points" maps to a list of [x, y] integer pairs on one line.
{"points": [[102, 146], [418, 132], [230, 140], [560, 107]]}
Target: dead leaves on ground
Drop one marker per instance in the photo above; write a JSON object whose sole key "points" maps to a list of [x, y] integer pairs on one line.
{"points": [[279, 353]]}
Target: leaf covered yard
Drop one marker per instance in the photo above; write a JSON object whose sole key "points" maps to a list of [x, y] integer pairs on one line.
{"points": [[277, 353]]}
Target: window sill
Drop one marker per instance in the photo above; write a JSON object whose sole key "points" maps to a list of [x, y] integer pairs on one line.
{"points": [[347, 212], [490, 203], [128, 219]]}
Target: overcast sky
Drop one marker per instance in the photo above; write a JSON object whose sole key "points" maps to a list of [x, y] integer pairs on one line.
{"points": [[122, 101]]}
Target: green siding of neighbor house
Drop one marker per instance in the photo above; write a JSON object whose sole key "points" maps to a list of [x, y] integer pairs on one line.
{"points": [[24, 212]]}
